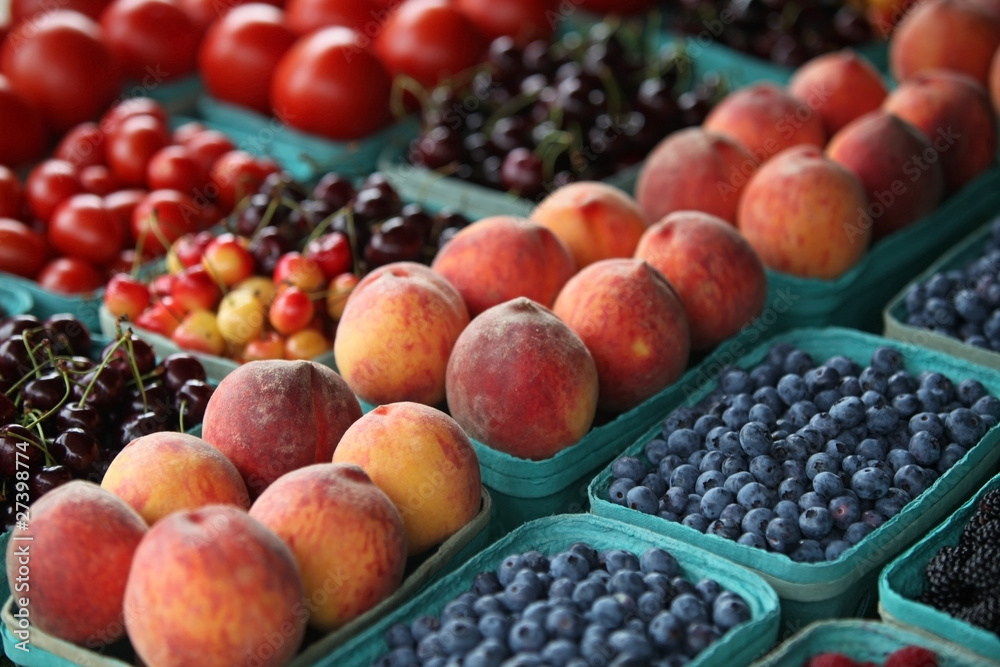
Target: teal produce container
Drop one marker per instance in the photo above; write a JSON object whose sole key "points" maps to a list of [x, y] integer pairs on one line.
{"points": [[84, 307], [845, 587], [14, 300]]}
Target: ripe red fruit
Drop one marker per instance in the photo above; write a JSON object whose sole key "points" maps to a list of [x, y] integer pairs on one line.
{"points": [[912, 656], [832, 659]]}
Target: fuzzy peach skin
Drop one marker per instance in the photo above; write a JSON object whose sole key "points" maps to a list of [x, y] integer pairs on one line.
{"points": [[521, 381], [887, 154], [502, 257], [273, 416], [395, 336], [694, 170], [806, 215], [633, 323], [214, 587], [719, 277], [163, 472], [839, 87], [594, 220], [426, 464], [766, 119], [928, 38], [955, 113], [346, 535], [68, 565]]}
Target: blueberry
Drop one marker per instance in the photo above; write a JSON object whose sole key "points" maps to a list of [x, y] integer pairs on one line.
{"points": [[693, 504], [666, 631], [706, 423], [486, 583], [711, 479], [509, 567], [459, 636], [559, 652], [570, 565], [628, 467], [825, 399], [735, 380], [526, 635], [563, 622], [755, 439], [837, 450], [699, 636], [460, 607], [696, 521], [756, 520], [607, 612], [971, 306], [800, 412], [871, 448], [618, 559], [821, 378], [738, 480], [925, 448], [649, 604], [872, 398], [950, 456], [828, 484], [938, 384], [901, 382], [912, 479], [675, 499], [643, 499], [778, 353], [518, 595], [629, 582], [658, 583], [755, 495], [969, 391], [808, 551], [752, 540], [843, 365], [886, 360], [618, 490], [870, 483], [881, 420], [398, 635], [906, 405], [682, 417], [684, 476], [589, 590], [714, 436], [872, 379], [430, 646], [852, 464], [688, 608], [724, 528], [683, 442], [844, 510], [729, 443], [782, 534], [850, 386], [763, 413], [594, 646], [667, 465], [825, 424], [766, 470], [795, 447], [965, 427], [714, 501], [561, 588], [835, 549], [821, 462], [729, 609], [735, 417], [734, 464], [655, 450], [915, 298], [403, 656], [655, 483], [897, 458], [856, 532], [791, 489], [815, 522], [792, 388], [987, 405], [769, 396], [794, 468], [787, 509], [892, 503], [929, 401], [798, 362], [733, 512], [812, 499], [422, 626]]}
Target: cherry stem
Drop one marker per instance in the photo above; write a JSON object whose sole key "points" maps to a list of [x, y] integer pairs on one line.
{"points": [[403, 83]]}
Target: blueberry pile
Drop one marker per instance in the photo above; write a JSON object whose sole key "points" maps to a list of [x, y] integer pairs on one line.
{"points": [[962, 303], [801, 458], [964, 580], [575, 608]]}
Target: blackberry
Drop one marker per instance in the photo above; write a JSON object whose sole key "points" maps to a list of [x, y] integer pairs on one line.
{"points": [[945, 585], [989, 506], [982, 569], [985, 613], [981, 533]]}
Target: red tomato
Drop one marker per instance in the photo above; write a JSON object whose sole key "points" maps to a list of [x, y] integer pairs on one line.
{"points": [[305, 16], [11, 199], [98, 179], [22, 9], [82, 146], [328, 85], [83, 227], [153, 39], [208, 146], [429, 40], [132, 106], [161, 217], [48, 184], [60, 62], [238, 174], [28, 143], [69, 275], [524, 20], [239, 54], [130, 149], [22, 251], [204, 12], [184, 132], [173, 168], [121, 204]]}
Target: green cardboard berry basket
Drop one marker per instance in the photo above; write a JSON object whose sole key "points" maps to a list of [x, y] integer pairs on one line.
{"points": [[177, 96], [903, 581], [14, 300], [865, 640], [895, 314], [305, 156], [46, 302], [552, 534], [44, 650], [845, 587]]}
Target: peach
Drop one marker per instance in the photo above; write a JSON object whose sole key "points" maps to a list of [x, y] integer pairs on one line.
{"points": [[766, 119], [839, 86], [273, 416], [67, 566], [888, 154], [396, 333], [955, 113], [163, 472], [926, 39], [633, 323], [806, 215], [994, 85], [426, 464], [694, 169], [214, 586], [594, 220], [521, 381], [718, 276], [502, 257], [346, 535]]}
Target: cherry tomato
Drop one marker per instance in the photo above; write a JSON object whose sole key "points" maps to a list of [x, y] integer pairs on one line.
{"points": [[154, 40], [429, 40], [133, 145], [69, 275], [11, 196], [48, 184], [82, 146], [183, 133], [238, 174], [615, 6], [204, 12], [22, 9], [121, 204], [98, 179], [22, 251], [328, 85], [523, 20], [60, 62], [305, 16], [84, 228], [28, 143], [132, 106], [163, 216], [208, 146], [173, 168], [239, 53]]}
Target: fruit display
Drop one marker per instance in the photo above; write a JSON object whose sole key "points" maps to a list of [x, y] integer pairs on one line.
{"points": [[907, 656], [539, 115], [273, 282], [574, 606], [960, 579], [805, 457], [67, 412]]}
